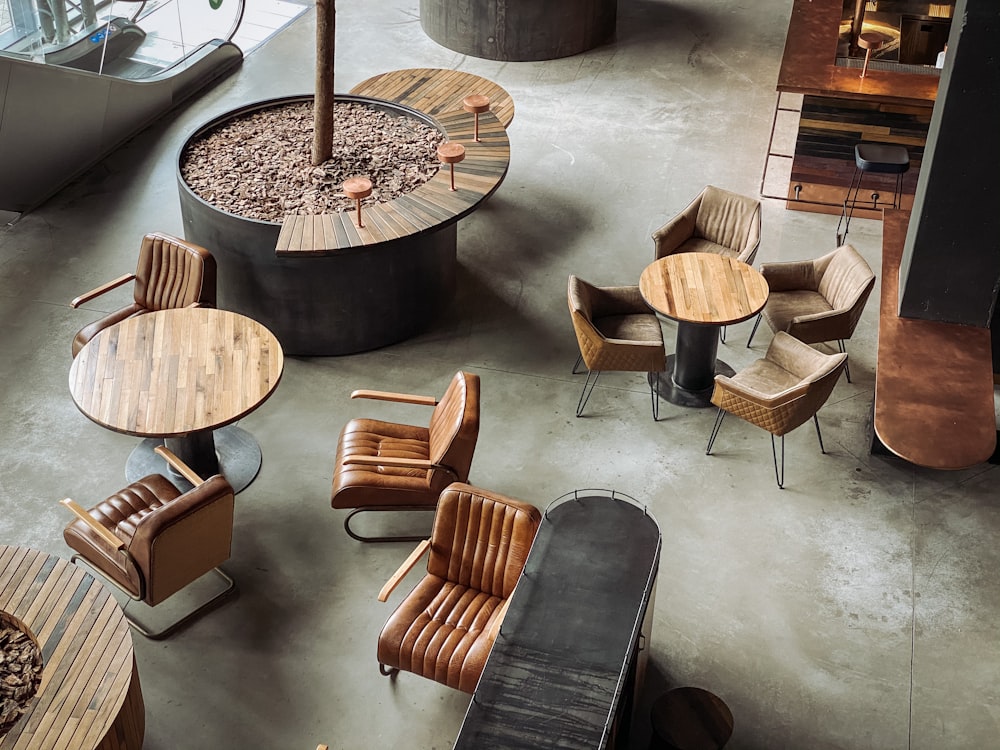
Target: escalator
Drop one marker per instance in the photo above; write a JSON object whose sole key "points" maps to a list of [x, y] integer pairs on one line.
{"points": [[74, 90]]}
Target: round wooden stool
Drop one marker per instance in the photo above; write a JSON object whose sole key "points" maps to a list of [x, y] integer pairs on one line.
{"points": [[869, 41], [475, 104], [451, 153], [690, 718], [357, 188]]}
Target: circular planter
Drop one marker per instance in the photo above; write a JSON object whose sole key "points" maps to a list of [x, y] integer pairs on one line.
{"points": [[341, 301]]}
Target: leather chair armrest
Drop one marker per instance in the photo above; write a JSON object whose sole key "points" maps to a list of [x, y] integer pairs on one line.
{"points": [[763, 400], [789, 276], [399, 462], [102, 289], [182, 468], [75, 508], [672, 235], [494, 630], [403, 398], [403, 569]]}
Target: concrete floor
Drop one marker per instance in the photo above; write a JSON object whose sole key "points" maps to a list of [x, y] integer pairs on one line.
{"points": [[857, 608]]}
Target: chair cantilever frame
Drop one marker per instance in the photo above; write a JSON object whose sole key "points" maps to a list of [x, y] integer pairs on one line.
{"points": [[120, 547]]}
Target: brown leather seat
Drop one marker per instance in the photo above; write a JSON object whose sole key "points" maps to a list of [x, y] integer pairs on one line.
{"points": [[779, 392], [444, 628], [170, 273], [817, 300], [615, 330], [716, 221], [151, 540], [392, 466]]}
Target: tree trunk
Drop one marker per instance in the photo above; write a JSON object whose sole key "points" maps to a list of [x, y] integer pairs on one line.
{"points": [[326, 26]]}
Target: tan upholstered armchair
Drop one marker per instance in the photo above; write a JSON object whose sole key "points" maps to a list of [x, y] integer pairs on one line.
{"points": [[151, 540], [817, 300], [717, 221], [171, 273], [388, 466], [779, 392], [615, 330], [445, 627]]}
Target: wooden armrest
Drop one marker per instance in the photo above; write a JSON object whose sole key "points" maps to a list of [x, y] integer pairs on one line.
{"points": [[102, 289], [403, 398], [403, 569], [494, 630], [75, 508], [182, 468], [400, 463]]}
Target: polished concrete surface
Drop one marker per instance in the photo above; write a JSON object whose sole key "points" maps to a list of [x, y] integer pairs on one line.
{"points": [[857, 608]]}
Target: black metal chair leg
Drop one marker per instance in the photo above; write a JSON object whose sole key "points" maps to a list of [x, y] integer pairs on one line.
{"points": [[585, 395], [780, 477], [654, 392], [579, 360], [376, 508], [755, 324], [847, 364], [818, 434], [720, 415], [722, 334]]}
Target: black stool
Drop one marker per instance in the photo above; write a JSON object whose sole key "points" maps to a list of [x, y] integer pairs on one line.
{"points": [[689, 718], [884, 158]]}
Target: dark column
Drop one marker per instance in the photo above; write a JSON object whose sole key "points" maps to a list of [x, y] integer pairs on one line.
{"points": [[951, 260]]}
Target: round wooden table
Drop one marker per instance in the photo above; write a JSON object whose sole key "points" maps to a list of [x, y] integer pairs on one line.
{"points": [[702, 292], [176, 377], [89, 697]]}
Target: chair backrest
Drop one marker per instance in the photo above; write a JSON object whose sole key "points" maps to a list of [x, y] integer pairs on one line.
{"points": [[173, 273], [845, 281], [454, 430], [481, 539], [185, 538], [729, 219]]}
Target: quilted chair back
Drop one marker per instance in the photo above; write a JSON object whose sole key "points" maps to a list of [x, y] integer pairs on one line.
{"points": [[454, 430], [845, 281], [173, 273], [729, 219], [481, 540]]}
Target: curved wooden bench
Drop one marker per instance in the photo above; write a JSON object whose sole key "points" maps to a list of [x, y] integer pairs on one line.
{"points": [[89, 696], [933, 380]]}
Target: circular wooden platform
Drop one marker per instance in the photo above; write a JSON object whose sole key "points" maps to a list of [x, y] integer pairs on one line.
{"points": [[89, 697]]}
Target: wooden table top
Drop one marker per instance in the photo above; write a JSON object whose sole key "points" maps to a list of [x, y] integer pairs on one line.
{"points": [[89, 696], [174, 372], [703, 288], [933, 381]]}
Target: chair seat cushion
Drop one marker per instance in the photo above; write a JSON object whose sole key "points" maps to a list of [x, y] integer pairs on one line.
{"points": [[358, 486], [766, 377], [643, 327], [120, 513], [440, 631], [783, 307], [701, 245]]}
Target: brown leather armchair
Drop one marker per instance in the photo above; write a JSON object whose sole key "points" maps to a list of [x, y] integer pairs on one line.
{"points": [[151, 540], [717, 221], [779, 392], [615, 330], [445, 627], [817, 300], [388, 466], [170, 273]]}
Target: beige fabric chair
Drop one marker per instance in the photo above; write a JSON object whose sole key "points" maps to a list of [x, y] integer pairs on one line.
{"points": [[151, 540], [717, 221], [779, 392], [170, 273], [615, 330], [445, 627], [390, 466], [817, 300]]}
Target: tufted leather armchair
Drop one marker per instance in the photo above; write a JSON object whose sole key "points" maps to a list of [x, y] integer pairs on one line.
{"points": [[817, 300], [388, 466], [716, 221], [445, 627], [615, 330], [170, 273], [779, 392], [151, 540]]}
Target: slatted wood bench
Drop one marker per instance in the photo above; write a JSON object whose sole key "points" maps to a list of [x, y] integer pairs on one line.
{"points": [[438, 93], [933, 380], [89, 696]]}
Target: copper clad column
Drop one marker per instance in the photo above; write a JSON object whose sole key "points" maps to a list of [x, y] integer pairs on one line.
{"points": [[519, 30]]}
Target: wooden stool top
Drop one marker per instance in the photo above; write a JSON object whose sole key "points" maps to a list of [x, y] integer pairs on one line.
{"points": [[871, 40], [451, 152], [357, 187], [476, 103], [690, 718]]}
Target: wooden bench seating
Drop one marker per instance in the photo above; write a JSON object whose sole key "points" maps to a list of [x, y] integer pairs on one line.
{"points": [[439, 93], [934, 381]]}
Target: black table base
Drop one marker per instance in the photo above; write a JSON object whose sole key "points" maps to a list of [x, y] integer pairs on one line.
{"points": [[681, 396], [690, 375]]}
